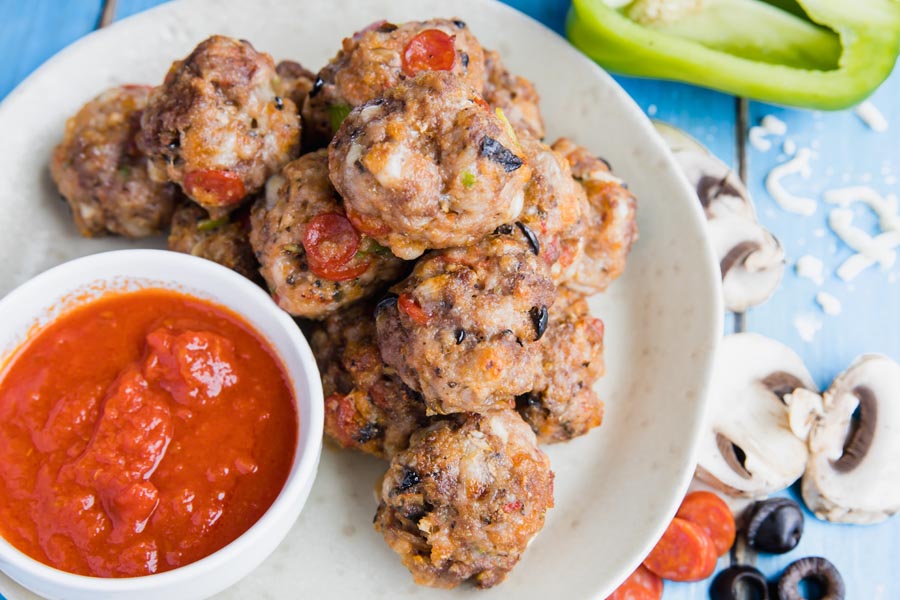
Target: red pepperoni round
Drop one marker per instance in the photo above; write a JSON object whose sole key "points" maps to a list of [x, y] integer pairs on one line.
{"points": [[431, 50], [331, 243], [684, 553], [214, 187], [712, 514], [643, 584]]}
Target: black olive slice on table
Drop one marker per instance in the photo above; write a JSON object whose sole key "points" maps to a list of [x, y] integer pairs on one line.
{"points": [[739, 582], [774, 526], [814, 570]]}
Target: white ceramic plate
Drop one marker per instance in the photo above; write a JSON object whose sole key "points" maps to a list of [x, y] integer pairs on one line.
{"points": [[616, 488]]}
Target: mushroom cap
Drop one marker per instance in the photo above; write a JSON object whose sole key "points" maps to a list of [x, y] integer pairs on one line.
{"points": [[719, 189], [853, 475], [751, 258], [749, 449]]}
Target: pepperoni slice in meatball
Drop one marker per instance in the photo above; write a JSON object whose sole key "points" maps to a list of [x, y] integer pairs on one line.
{"points": [[330, 242], [431, 50], [214, 187]]}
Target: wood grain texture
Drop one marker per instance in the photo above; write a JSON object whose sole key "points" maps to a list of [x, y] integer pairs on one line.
{"points": [[848, 153]]}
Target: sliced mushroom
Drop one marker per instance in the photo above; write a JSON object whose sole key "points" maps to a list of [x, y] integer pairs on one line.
{"points": [[853, 475], [750, 257], [719, 189], [749, 449]]}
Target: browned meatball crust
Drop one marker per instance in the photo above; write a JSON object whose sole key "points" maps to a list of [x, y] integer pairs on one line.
{"points": [[554, 204], [563, 403], [367, 407], [463, 328], [514, 95], [217, 126], [465, 499], [301, 213], [225, 240], [428, 165], [372, 61], [610, 227], [101, 173]]}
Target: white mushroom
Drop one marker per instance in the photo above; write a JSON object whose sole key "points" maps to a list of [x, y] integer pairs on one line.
{"points": [[719, 189], [749, 449], [750, 257], [853, 475]]}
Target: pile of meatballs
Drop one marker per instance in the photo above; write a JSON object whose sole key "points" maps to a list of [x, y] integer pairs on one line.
{"points": [[436, 251]]}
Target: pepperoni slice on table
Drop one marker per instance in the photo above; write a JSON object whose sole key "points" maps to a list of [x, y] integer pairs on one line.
{"points": [[331, 243], [643, 584], [412, 309], [214, 187], [712, 514], [431, 50], [684, 553]]}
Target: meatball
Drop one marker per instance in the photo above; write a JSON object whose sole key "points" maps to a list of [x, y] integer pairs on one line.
{"points": [[463, 328], [610, 226], [554, 204], [382, 55], [465, 499], [293, 81], [312, 258], [217, 127], [102, 175], [367, 406], [225, 241], [514, 95], [428, 166], [563, 404]]}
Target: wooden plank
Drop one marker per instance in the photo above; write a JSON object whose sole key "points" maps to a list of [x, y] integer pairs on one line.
{"points": [[849, 153]]}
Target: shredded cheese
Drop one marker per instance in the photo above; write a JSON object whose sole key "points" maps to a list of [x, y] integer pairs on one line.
{"points": [[871, 116], [883, 206], [807, 326], [787, 201], [830, 305]]}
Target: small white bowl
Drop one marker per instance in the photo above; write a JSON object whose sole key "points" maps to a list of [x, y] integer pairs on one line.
{"points": [[43, 298]]}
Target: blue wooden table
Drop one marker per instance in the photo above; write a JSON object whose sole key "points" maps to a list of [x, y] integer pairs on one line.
{"points": [[847, 153]]}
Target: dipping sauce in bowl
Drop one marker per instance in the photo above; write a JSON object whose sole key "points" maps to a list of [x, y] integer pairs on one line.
{"points": [[139, 432]]}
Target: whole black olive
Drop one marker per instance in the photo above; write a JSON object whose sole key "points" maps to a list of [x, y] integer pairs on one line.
{"points": [[739, 581], [813, 569], [774, 525]]}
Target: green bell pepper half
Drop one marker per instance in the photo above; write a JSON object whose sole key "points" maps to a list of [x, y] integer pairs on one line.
{"points": [[826, 54]]}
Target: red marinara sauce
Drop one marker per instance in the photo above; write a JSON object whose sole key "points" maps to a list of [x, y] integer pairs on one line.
{"points": [[140, 432]]}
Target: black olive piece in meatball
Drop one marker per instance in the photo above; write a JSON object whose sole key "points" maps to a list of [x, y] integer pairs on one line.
{"points": [[293, 81], [312, 258], [554, 205], [563, 404], [217, 126], [225, 240], [428, 165], [381, 56], [463, 327], [102, 174], [514, 95], [367, 407], [465, 499], [610, 226]]}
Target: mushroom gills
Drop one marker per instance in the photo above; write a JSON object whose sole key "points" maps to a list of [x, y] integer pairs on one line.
{"points": [[750, 449], [853, 473], [750, 258]]}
